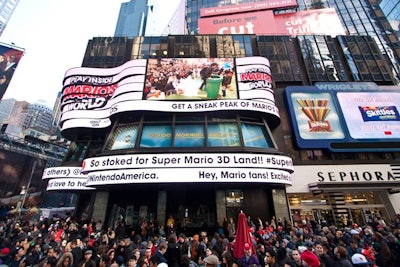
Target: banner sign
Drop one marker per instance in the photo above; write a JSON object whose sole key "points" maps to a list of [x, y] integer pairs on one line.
{"points": [[351, 174], [311, 22], [189, 175], [333, 115], [186, 161], [173, 168], [64, 172], [239, 8], [9, 59], [91, 96], [67, 184], [65, 178]]}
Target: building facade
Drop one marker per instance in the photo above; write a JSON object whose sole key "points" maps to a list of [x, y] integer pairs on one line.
{"points": [[391, 9], [149, 142], [7, 8], [131, 19], [360, 17], [172, 196]]}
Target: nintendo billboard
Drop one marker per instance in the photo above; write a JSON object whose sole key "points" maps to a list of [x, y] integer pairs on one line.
{"points": [[92, 96]]}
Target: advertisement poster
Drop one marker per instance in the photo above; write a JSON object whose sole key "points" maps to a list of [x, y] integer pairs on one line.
{"points": [[347, 117], [91, 96], [239, 8], [316, 116], [371, 115], [9, 59], [311, 22]]}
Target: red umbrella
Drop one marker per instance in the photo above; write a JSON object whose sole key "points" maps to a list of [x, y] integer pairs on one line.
{"points": [[242, 237]]}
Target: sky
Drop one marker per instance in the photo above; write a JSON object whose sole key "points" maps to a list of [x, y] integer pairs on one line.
{"points": [[54, 34]]}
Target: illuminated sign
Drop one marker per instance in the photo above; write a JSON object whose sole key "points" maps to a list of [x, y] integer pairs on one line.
{"points": [[65, 178], [230, 9], [371, 114], [9, 59], [316, 116], [311, 22], [205, 167], [343, 175], [64, 172], [67, 184], [91, 96], [345, 117]]}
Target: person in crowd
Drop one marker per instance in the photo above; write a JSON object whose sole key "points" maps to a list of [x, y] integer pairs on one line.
{"points": [[270, 259], [248, 259], [227, 259], [173, 254], [260, 252], [322, 250], [187, 262], [132, 262], [66, 260], [160, 253], [17, 255], [211, 261], [76, 252], [155, 262], [342, 257], [87, 260]]}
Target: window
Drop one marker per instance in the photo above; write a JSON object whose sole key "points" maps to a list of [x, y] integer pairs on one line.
{"points": [[255, 136], [223, 134], [189, 136], [124, 137], [159, 135], [190, 130]]}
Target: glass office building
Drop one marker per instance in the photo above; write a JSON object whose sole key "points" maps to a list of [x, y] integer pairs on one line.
{"points": [[359, 17], [7, 8]]}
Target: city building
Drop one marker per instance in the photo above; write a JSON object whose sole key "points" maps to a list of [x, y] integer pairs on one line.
{"points": [[27, 147], [166, 18], [6, 107], [391, 9], [28, 119], [7, 8], [308, 128], [132, 19], [359, 17]]}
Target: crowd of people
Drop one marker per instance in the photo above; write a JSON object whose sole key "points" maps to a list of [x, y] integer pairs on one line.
{"points": [[274, 243], [183, 77]]}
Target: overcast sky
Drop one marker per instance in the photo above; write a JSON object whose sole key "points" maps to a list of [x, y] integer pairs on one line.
{"points": [[54, 34]]}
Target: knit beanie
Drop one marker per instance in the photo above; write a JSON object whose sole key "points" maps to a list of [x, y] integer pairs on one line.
{"points": [[310, 258]]}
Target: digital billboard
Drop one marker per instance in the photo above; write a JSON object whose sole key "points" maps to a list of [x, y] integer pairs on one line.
{"points": [[171, 168], [345, 116], [239, 8], [9, 59], [311, 22], [91, 96]]}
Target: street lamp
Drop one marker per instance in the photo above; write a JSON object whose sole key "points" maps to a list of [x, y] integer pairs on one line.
{"points": [[24, 191], [20, 203]]}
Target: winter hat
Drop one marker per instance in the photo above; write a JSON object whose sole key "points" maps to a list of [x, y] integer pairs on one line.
{"points": [[359, 259], [212, 259], [354, 232], [310, 258]]}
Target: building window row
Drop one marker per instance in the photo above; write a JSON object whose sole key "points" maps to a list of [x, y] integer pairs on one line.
{"points": [[197, 131]]}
